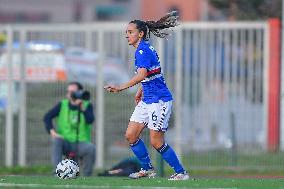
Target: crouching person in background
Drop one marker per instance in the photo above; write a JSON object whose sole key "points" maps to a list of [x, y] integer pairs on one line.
{"points": [[71, 131]]}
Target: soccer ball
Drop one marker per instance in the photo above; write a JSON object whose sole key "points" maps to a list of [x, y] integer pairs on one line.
{"points": [[67, 169]]}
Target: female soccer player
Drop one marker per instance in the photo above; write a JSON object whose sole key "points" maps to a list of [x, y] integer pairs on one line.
{"points": [[153, 99]]}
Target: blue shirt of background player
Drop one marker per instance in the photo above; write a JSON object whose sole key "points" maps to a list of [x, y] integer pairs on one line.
{"points": [[154, 86]]}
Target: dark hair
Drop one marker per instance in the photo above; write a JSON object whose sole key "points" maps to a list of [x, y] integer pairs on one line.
{"points": [[79, 85], [156, 27]]}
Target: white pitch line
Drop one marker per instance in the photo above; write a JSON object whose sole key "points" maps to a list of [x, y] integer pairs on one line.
{"points": [[90, 187]]}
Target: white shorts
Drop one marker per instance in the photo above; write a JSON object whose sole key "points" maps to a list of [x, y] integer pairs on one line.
{"points": [[155, 116]]}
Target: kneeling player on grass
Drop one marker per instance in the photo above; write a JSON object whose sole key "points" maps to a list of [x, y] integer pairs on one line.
{"points": [[154, 100]]}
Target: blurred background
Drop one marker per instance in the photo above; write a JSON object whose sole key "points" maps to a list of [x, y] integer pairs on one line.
{"points": [[223, 65]]}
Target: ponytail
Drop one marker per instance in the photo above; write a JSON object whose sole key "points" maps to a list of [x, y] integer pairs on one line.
{"points": [[168, 21], [156, 27]]}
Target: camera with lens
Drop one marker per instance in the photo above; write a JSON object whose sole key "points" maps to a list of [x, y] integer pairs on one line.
{"points": [[81, 94]]}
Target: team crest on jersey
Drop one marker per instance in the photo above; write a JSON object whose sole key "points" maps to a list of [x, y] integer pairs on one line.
{"points": [[141, 51]]}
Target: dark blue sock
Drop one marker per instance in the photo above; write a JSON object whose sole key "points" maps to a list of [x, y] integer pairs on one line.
{"points": [[170, 157], [139, 149]]}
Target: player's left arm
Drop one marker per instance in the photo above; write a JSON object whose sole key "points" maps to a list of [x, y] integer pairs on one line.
{"points": [[138, 95], [140, 76]]}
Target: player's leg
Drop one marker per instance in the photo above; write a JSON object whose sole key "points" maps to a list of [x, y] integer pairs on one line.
{"points": [[133, 132], [158, 125], [136, 125], [139, 149], [168, 154]]}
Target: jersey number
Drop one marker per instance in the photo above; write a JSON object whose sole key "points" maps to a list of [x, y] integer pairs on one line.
{"points": [[154, 117]]}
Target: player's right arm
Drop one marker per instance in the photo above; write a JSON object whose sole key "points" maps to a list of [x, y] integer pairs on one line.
{"points": [[137, 78]]}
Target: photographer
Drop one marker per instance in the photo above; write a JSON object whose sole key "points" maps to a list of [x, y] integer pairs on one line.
{"points": [[71, 135]]}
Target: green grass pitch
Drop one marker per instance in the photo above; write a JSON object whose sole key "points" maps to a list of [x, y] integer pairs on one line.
{"points": [[25, 182]]}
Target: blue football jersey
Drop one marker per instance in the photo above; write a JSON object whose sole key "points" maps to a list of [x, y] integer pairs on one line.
{"points": [[154, 85]]}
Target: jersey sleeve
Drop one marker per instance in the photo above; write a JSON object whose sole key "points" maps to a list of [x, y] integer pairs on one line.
{"points": [[143, 59]]}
